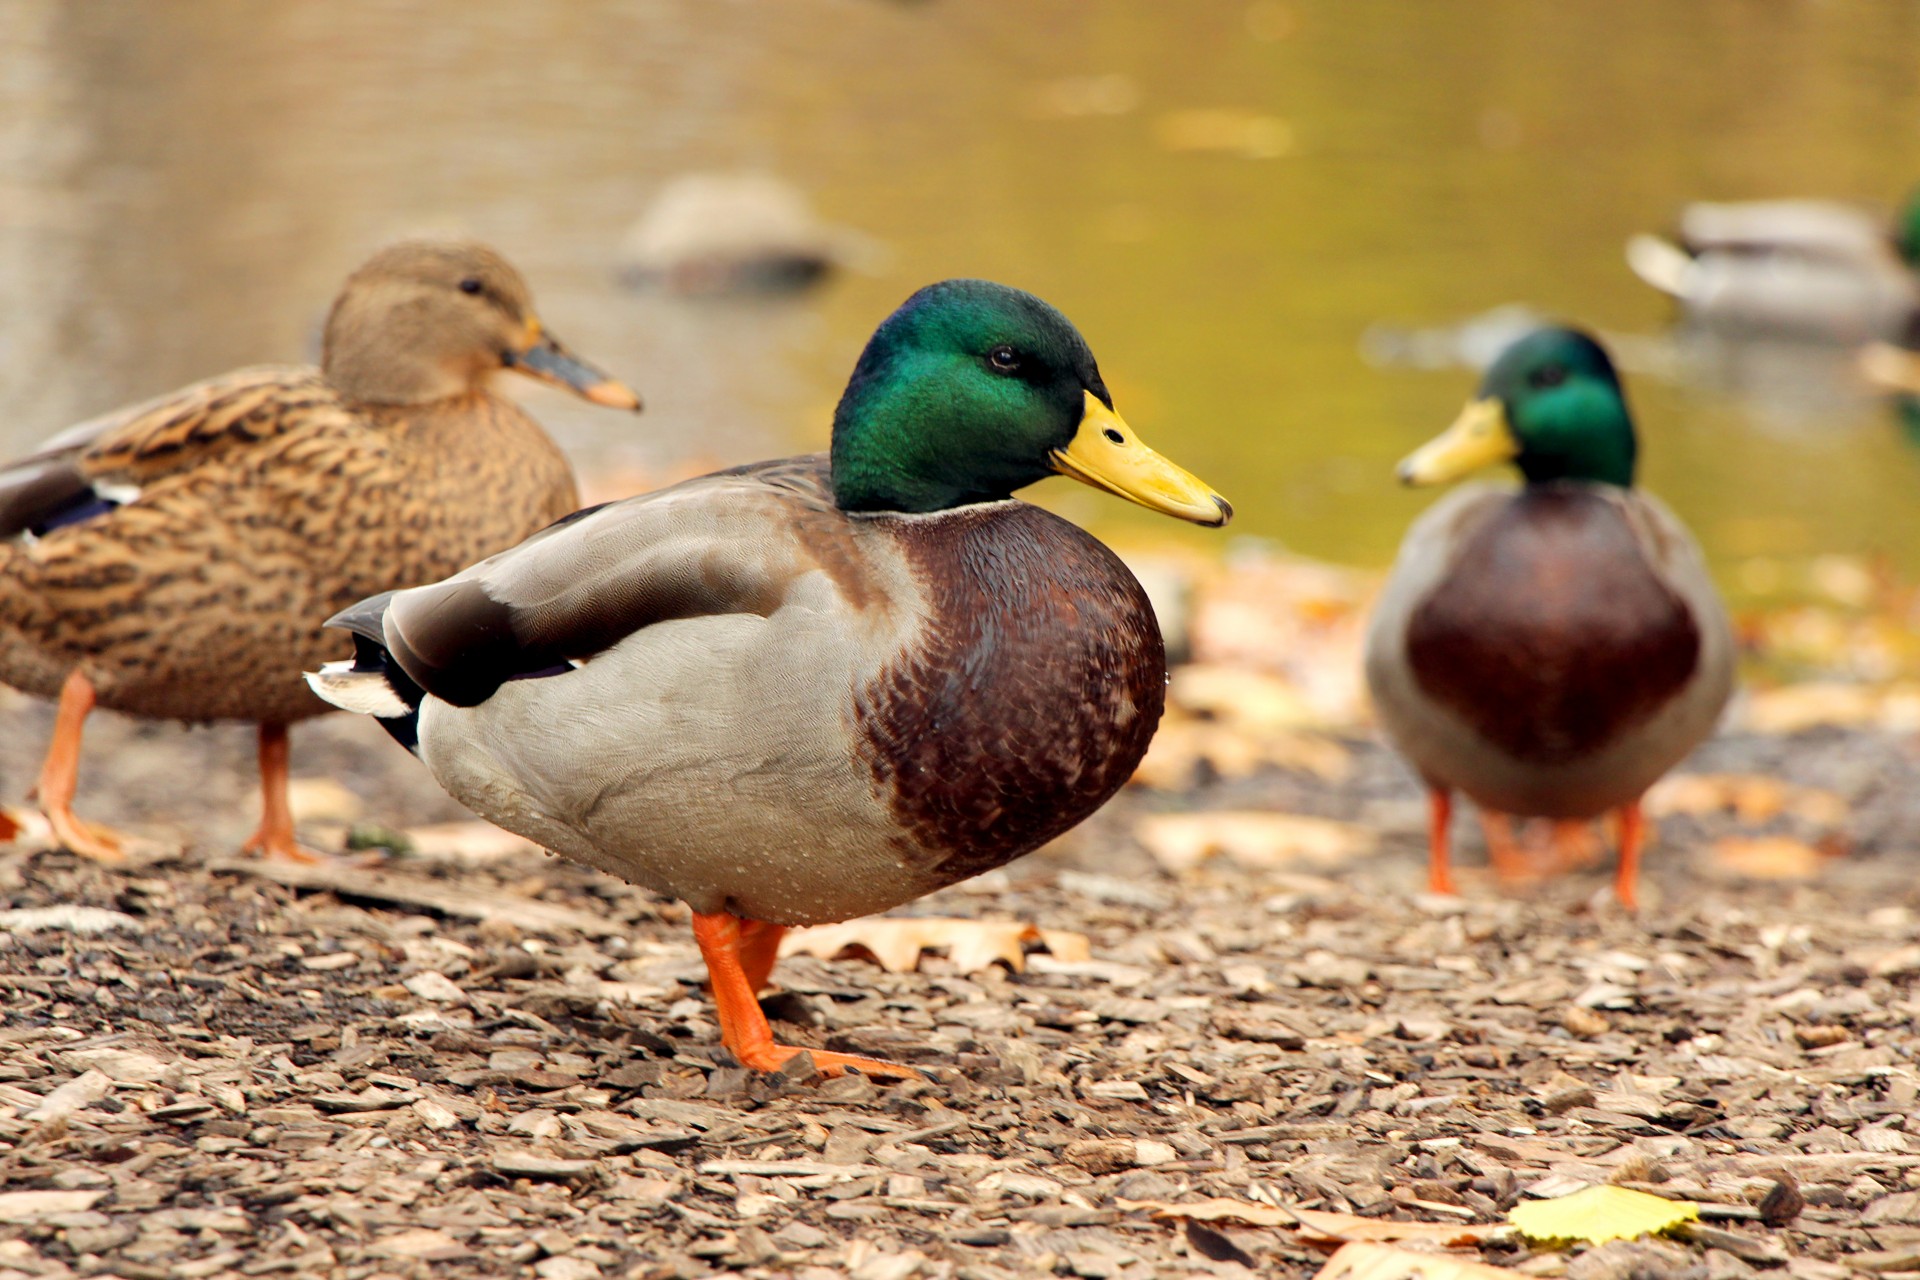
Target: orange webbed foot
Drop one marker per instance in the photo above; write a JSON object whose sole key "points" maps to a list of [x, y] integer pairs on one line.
{"points": [[731, 945], [88, 839]]}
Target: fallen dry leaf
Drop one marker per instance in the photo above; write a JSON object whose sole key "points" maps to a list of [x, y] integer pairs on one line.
{"points": [[1317, 1224], [1384, 1262], [1753, 798], [1256, 840], [1232, 751], [1806, 706], [470, 842], [1217, 1209], [1597, 1214], [972, 945], [1320, 1224], [1768, 857]]}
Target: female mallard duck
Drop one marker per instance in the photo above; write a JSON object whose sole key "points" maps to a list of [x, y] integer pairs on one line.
{"points": [[805, 690], [1550, 652], [177, 560], [1807, 269]]}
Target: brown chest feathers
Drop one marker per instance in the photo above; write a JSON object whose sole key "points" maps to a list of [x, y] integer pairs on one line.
{"points": [[1031, 697], [1551, 634]]}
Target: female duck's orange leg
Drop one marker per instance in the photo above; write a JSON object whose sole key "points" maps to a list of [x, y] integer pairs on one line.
{"points": [[1626, 876], [274, 839], [60, 777], [1439, 858], [743, 1027]]}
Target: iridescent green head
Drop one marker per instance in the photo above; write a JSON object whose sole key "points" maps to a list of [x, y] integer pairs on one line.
{"points": [[972, 390], [1552, 405]]}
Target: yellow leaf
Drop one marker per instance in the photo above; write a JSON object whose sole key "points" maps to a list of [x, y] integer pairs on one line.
{"points": [[1255, 839], [972, 945], [1384, 1262], [1596, 1214]]}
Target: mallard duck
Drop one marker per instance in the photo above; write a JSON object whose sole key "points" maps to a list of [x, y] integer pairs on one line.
{"points": [[1808, 269], [1550, 651], [176, 560], [805, 690]]}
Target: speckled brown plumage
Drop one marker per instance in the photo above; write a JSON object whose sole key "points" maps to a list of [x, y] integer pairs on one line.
{"points": [[267, 504], [178, 560]]}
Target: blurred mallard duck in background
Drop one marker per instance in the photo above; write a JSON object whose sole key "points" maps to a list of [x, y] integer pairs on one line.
{"points": [[1551, 651], [800, 691], [1809, 269], [176, 560]]}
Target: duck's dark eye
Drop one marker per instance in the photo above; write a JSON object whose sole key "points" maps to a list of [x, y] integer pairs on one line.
{"points": [[1551, 375], [471, 285], [1004, 359]]}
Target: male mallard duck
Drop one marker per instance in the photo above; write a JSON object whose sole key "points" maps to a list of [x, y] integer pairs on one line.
{"points": [[177, 560], [1808, 269], [1552, 651], [805, 690]]}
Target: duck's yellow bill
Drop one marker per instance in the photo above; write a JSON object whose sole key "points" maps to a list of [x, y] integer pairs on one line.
{"points": [[1480, 437], [1107, 455], [541, 356]]}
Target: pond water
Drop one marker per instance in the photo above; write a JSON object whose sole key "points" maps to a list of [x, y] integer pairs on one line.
{"points": [[1224, 196]]}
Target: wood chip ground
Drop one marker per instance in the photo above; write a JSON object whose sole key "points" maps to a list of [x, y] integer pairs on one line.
{"points": [[214, 1072]]}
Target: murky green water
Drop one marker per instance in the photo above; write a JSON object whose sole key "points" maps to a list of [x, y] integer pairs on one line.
{"points": [[182, 188]]}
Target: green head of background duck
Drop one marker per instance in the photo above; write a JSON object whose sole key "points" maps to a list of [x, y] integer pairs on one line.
{"points": [[1552, 405]]}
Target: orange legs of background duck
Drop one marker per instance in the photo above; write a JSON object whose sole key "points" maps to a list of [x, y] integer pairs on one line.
{"points": [[274, 838], [1439, 843], [739, 955], [60, 777], [1571, 843]]}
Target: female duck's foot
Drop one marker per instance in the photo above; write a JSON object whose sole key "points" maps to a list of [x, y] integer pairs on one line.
{"points": [[274, 838], [60, 778], [728, 943], [89, 840]]}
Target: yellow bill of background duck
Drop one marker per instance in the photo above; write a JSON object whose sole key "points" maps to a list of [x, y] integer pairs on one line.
{"points": [[1480, 437]]}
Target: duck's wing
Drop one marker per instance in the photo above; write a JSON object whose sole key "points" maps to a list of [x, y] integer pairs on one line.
{"points": [[91, 468], [730, 543]]}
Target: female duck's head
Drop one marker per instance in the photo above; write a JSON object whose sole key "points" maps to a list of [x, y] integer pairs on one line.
{"points": [[1552, 405], [972, 390]]}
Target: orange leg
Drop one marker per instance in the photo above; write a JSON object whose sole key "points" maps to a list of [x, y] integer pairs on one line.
{"points": [[1574, 844], [274, 838], [1510, 863], [759, 948], [1626, 876], [1439, 815], [60, 777], [743, 1027]]}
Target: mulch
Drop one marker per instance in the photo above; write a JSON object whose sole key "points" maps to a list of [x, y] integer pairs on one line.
{"points": [[209, 1068]]}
